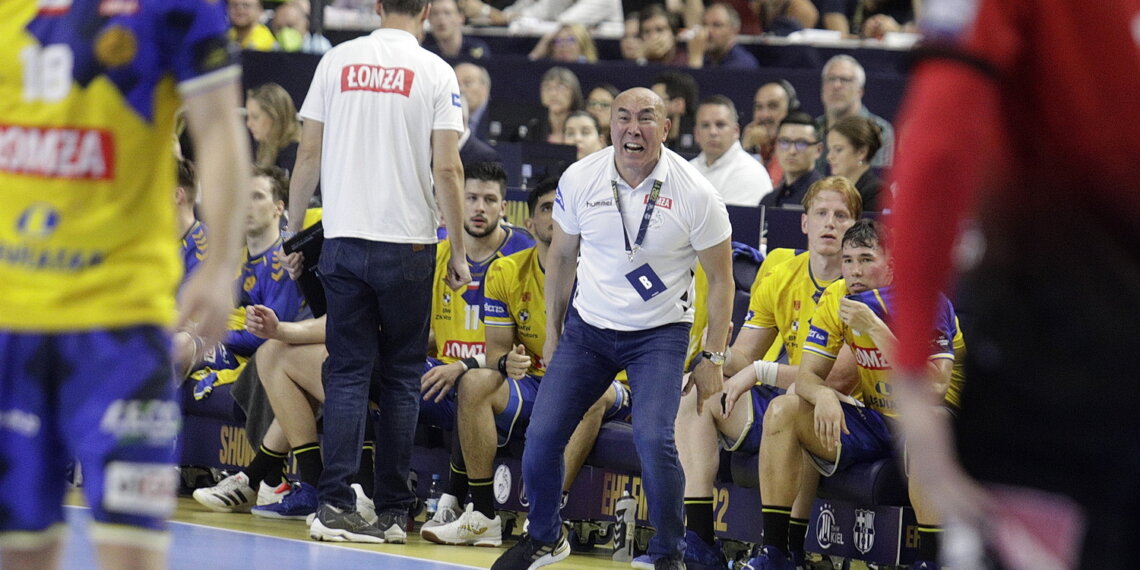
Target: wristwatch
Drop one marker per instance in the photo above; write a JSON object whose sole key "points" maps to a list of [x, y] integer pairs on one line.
{"points": [[716, 358]]}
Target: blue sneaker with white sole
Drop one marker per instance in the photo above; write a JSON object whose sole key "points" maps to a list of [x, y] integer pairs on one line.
{"points": [[297, 505]]}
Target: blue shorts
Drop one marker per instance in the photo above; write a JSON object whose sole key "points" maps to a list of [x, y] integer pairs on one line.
{"points": [[622, 408], [105, 398], [870, 440], [440, 414], [749, 440]]}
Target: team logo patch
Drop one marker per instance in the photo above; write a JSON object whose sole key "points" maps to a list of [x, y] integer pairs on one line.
{"points": [[455, 100], [39, 221], [502, 484], [818, 336], [116, 46], [828, 532], [250, 282], [558, 198], [864, 532]]}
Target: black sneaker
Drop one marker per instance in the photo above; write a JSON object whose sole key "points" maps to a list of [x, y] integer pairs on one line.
{"points": [[391, 524], [335, 525], [529, 554]]}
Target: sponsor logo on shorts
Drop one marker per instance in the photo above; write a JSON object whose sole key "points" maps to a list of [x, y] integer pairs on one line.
{"points": [[146, 489], [362, 77], [21, 422], [154, 422], [64, 152], [817, 336]]}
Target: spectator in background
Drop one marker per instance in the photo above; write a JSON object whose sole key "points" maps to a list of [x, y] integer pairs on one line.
{"points": [[475, 85], [570, 43], [782, 17], [772, 103], [585, 12], [714, 44], [680, 92], [291, 22], [471, 149], [797, 148], [584, 132], [851, 145], [246, 28], [561, 94], [657, 29], [842, 95], [599, 102], [447, 38], [631, 46], [271, 118], [740, 178]]}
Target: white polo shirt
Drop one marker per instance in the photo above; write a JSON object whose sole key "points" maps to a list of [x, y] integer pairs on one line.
{"points": [[689, 216], [740, 178], [380, 97]]}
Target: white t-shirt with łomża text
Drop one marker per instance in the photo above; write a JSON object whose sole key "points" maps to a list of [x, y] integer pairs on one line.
{"points": [[380, 97], [689, 216]]}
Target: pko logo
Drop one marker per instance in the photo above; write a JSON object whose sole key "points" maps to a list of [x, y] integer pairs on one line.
{"points": [[828, 533], [864, 531]]}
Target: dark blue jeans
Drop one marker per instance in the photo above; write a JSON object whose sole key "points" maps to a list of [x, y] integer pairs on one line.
{"points": [[584, 364], [379, 303]]}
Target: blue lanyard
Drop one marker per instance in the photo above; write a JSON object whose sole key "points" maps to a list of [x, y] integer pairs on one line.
{"points": [[649, 206]]}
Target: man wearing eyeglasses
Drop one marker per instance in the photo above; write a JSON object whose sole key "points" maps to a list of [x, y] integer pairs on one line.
{"points": [[842, 95], [798, 148]]}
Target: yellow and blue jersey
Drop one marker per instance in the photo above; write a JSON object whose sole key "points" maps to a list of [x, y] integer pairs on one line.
{"points": [[263, 281], [828, 334], [456, 316], [784, 298], [194, 245], [88, 93], [514, 295]]}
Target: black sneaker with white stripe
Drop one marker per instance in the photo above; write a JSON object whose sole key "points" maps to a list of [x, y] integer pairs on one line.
{"points": [[529, 554]]}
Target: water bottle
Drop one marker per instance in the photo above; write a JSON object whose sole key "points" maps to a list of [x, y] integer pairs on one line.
{"points": [[432, 502], [626, 514]]}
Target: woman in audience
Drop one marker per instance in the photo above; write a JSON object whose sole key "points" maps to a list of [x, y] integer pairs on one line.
{"points": [[582, 131], [561, 94], [272, 119], [569, 44], [851, 145], [598, 103]]}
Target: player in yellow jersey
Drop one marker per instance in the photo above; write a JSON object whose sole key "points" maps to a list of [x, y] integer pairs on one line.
{"points": [[88, 263], [499, 398], [834, 429], [784, 296]]}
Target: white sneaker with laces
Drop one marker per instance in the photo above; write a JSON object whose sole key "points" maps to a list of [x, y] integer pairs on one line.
{"points": [[231, 495], [471, 528], [447, 511]]}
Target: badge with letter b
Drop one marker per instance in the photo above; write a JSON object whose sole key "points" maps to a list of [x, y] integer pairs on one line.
{"points": [[645, 282]]}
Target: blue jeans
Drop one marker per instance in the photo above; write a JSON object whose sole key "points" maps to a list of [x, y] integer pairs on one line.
{"points": [[583, 367], [379, 303]]}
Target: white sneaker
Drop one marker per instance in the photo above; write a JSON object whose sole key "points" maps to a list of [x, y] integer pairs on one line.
{"points": [[231, 495], [268, 494], [364, 505], [446, 511], [471, 528]]}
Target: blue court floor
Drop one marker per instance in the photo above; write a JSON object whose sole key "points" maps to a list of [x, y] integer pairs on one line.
{"points": [[200, 547]]}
